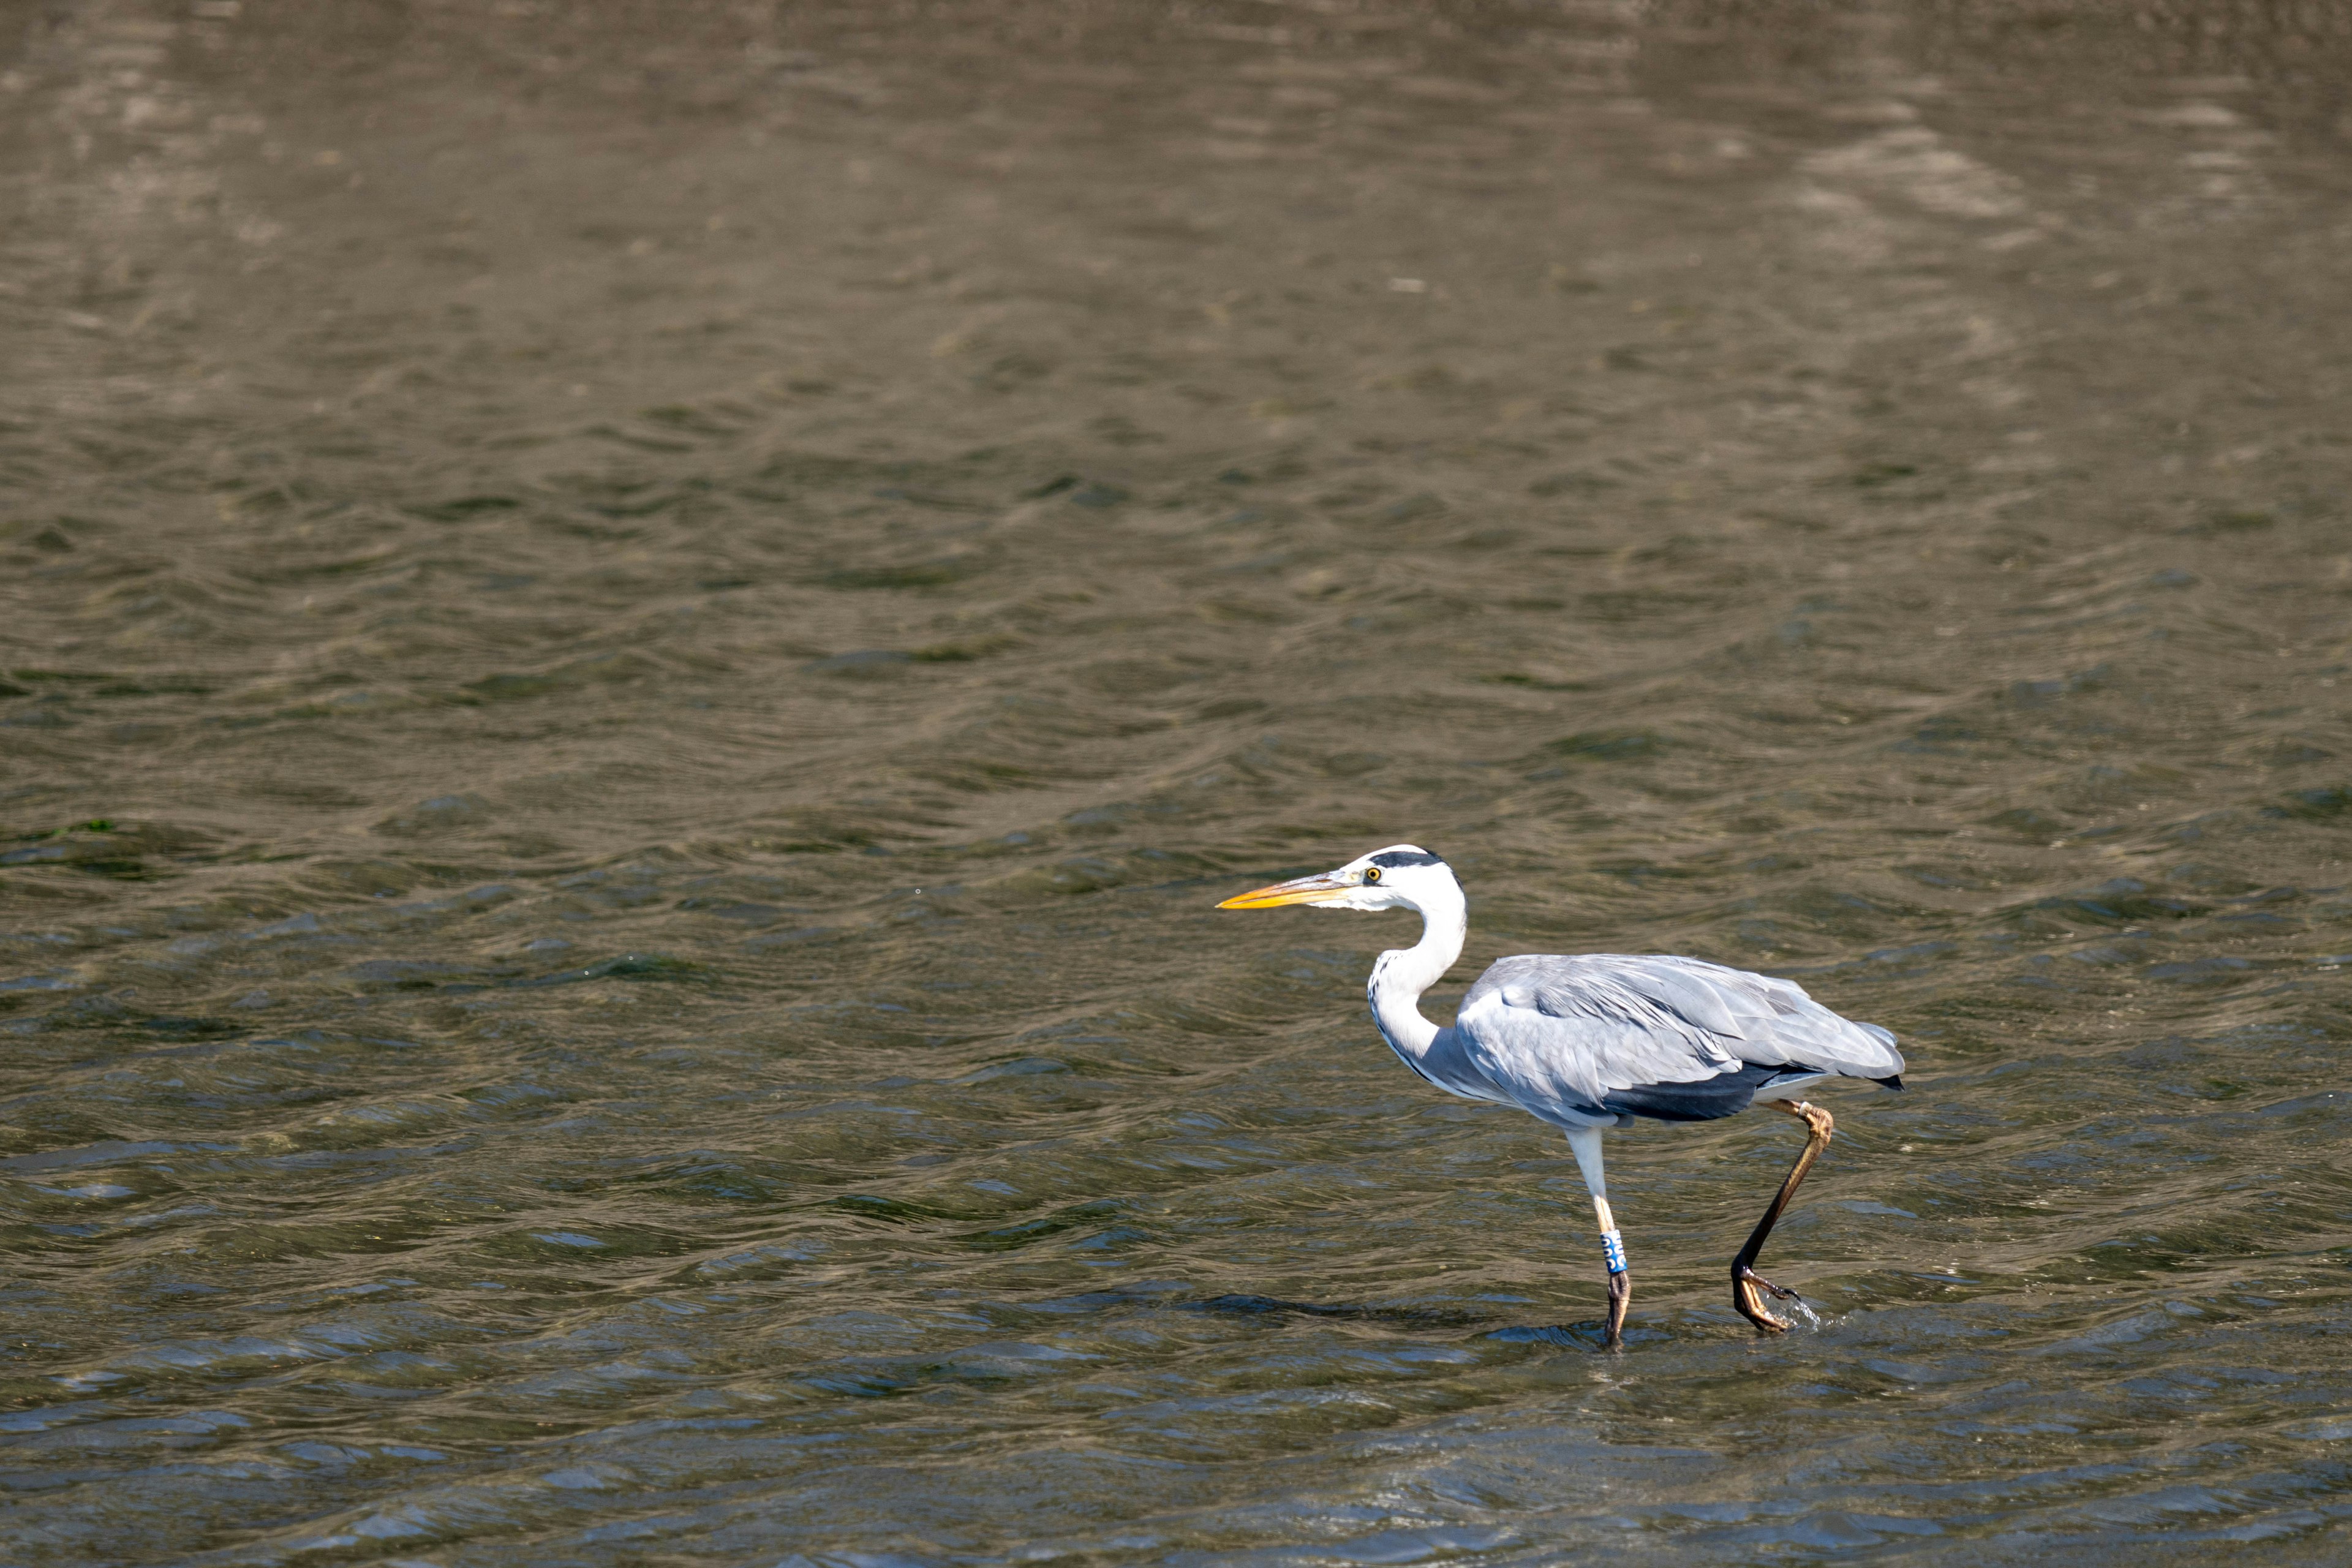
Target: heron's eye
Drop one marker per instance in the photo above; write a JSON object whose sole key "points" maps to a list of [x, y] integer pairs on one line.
{"points": [[1371, 873]]}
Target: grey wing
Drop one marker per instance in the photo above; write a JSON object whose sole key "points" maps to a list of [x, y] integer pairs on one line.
{"points": [[1654, 1034], [1452, 1064]]}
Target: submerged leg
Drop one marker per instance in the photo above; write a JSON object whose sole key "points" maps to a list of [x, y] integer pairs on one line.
{"points": [[1585, 1144], [1745, 1280]]}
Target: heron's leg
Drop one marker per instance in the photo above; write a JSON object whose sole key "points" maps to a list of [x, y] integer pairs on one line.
{"points": [[1745, 1280], [1585, 1143]]}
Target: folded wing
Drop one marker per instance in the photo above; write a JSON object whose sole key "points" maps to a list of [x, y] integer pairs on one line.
{"points": [[1598, 1036]]}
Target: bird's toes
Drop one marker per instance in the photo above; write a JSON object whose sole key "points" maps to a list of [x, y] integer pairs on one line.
{"points": [[1744, 1283], [1753, 1310], [1780, 1292]]}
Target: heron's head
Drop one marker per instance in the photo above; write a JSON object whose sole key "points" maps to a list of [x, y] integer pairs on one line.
{"points": [[1401, 877]]}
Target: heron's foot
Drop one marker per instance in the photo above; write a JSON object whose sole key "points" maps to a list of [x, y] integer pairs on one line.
{"points": [[1744, 1283], [1621, 1296], [1818, 1124]]}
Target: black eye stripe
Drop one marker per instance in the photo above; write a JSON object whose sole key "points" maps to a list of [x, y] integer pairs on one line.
{"points": [[1396, 857]]}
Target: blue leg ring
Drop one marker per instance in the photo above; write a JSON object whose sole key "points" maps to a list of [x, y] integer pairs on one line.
{"points": [[1612, 1248]]}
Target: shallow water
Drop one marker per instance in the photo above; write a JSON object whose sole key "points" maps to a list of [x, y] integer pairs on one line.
{"points": [[636, 639]]}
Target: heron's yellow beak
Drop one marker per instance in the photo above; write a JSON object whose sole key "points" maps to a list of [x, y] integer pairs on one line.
{"points": [[1318, 890]]}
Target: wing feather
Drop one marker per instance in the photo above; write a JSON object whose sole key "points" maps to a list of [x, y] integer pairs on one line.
{"points": [[1593, 1035]]}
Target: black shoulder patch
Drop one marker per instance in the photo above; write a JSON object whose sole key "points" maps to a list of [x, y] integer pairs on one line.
{"points": [[1726, 1094], [1396, 857]]}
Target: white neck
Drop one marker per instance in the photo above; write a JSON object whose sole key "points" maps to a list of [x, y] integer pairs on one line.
{"points": [[1400, 976]]}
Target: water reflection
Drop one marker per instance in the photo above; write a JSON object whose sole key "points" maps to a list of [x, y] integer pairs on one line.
{"points": [[636, 639]]}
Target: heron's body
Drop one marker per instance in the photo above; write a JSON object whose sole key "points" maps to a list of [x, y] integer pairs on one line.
{"points": [[1594, 1040], [1600, 1039]]}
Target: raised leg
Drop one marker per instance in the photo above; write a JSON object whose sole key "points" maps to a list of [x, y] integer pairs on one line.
{"points": [[1745, 1281], [1585, 1143]]}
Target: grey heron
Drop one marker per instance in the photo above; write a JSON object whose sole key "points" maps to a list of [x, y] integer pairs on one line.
{"points": [[1593, 1041]]}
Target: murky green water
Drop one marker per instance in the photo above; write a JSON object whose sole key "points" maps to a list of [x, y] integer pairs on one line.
{"points": [[634, 640]]}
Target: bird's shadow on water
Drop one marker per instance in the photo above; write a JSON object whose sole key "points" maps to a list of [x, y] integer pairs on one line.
{"points": [[1593, 1335], [1582, 1336], [1590, 1335], [1244, 1305]]}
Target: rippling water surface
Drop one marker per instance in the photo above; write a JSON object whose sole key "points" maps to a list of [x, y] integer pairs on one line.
{"points": [[635, 639]]}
